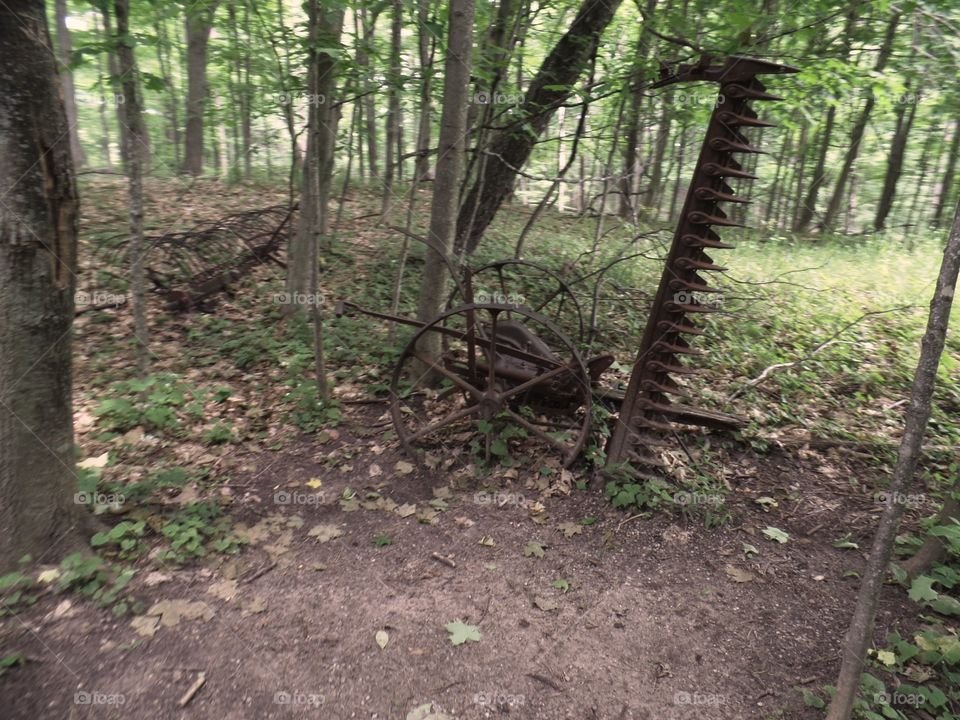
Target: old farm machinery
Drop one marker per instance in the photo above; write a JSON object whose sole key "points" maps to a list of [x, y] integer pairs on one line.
{"points": [[497, 365], [189, 268]]}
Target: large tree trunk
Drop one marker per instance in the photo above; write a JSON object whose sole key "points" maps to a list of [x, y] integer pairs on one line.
{"points": [[318, 164], [450, 148], [861, 625], [38, 249], [856, 135], [66, 80], [511, 145], [199, 19]]}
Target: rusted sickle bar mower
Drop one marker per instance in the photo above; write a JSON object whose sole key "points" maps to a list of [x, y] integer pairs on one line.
{"points": [[498, 367], [647, 410]]}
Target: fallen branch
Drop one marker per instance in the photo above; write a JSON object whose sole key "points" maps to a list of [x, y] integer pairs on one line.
{"points": [[194, 689], [832, 340]]}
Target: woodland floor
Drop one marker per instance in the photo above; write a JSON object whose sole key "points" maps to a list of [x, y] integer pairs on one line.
{"points": [[655, 617], [658, 611]]}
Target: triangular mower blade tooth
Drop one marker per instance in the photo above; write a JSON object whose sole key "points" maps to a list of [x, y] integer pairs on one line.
{"points": [[692, 264], [664, 346], [701, 242], [651, 386], [678, 285], [728, 117], [701, 218], [724, 145], [647, 440], [657, 366], [643, 421], [717, 170], [738, 92], [707, 193]]}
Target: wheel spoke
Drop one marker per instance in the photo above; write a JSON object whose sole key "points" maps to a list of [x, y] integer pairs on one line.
{"points": [[533, 382], [537, 431], [453, 377], [448, 420]]}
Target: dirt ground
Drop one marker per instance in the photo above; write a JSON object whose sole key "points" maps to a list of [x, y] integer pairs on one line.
{"points": [[627, 618]]}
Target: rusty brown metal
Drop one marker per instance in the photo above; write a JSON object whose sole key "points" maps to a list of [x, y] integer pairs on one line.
{"points": [[647, 413], [188, 268]]}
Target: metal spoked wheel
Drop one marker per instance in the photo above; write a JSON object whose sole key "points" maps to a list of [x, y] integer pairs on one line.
{"points": [[529, 286], [503, 381]]}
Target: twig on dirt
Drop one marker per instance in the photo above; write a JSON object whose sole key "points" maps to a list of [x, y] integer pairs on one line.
{"points": [[188, 695], [260, 573], [832, 340], [545, 680], [444, 559], [624, 522]]}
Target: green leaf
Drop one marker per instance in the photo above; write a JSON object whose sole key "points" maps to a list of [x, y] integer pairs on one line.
{"points": [[922, 589], [776, 534], [812, 700], [461, 633], [499, 448]]}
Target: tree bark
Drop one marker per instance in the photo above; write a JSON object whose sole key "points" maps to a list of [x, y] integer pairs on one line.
{"points": [[861, 625], [898, 149], [101, 82], [325, 27], [131, 109], [173, 109], [369, 106], [809, 206], [450, 149], [391, 156], [511, 145], [948, 176], [318, 164], [425, 48], [629, 179], [199, 20], [66, 80], [38, 251], [933, 550]]}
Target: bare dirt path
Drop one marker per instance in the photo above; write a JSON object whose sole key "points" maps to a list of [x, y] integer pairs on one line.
{"points": [[655, 618]]}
